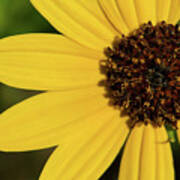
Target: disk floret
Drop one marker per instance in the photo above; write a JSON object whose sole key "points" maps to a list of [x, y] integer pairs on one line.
{"points": [[143, 74]]}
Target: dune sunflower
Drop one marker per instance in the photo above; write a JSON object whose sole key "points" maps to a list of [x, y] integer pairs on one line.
{"points": [[113, 75]]}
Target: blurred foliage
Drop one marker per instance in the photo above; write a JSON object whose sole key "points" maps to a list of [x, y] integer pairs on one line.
{"points": [[19, 17]]}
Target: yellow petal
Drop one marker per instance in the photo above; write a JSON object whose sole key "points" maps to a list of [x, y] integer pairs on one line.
{"points": [[128, 11], [131, 155], [53, 43], [47, 62], [111, 11], [146, 10], [51, 118], [88, 155], [147, 155], [164, 160], [174, 13], [178, 131], [94, 8], [162, 9], [74, 20]]}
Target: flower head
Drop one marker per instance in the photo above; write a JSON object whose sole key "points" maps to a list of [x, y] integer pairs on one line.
{"points": [[82, 83], [148, 60]]}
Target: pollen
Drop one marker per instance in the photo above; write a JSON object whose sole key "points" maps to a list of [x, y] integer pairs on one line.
{"points": [[143, 74]]}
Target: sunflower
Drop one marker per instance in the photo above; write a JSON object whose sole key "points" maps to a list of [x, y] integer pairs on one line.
{"points": [[111, 78]]}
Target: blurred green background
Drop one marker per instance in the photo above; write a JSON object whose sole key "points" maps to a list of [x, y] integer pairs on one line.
{"points": [[19, 17]]}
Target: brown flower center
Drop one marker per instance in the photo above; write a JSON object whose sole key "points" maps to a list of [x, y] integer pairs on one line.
{"points": [[143, 74]]}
